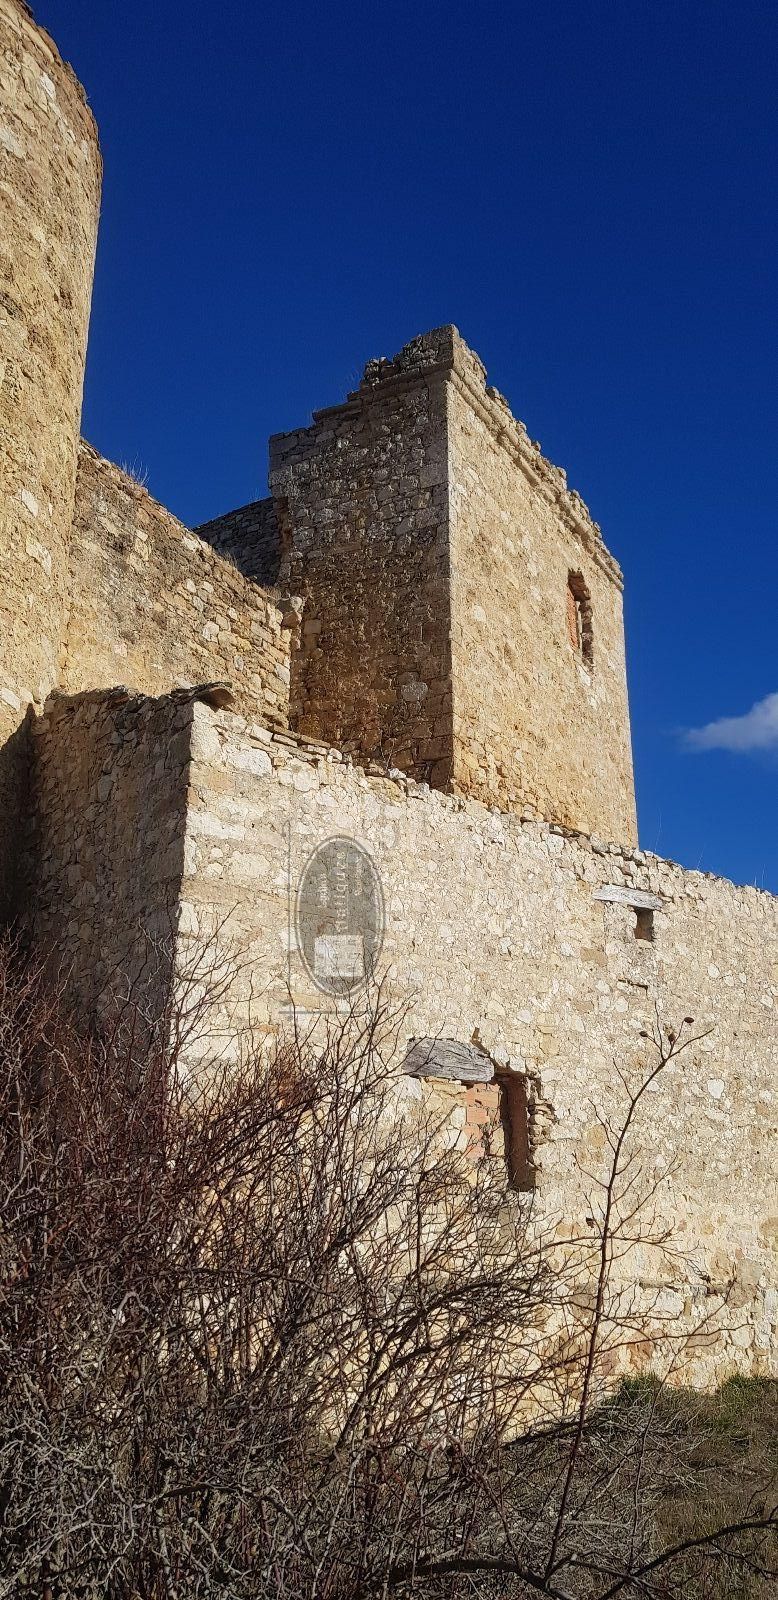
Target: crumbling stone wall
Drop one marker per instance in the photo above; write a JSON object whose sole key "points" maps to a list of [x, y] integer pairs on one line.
{"points": [[537, 943], [50, 185], [154, 606], [443, 560], [106, 841], [496, 932]]}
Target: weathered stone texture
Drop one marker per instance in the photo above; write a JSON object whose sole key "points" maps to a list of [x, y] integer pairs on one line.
{"points": [[49, 194], [424, 593], [495, 932], [105, 847], [442, 559], [108, 841], [250, 537], [154, 606], [538, 723], [362, 501]]}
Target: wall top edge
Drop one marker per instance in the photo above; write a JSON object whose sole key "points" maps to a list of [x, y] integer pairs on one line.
{"points": [[194, 706], [22, 16], [437, 357], [196, 543]]}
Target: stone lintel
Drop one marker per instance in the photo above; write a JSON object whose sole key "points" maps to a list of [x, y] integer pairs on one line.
{"points": [[618, 894], [447, 1058]]}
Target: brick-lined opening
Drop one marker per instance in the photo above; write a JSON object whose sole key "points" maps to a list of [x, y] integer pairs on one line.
{"points": [[579, 618], [482, 1118], [497, 1121], [500, 1106]]}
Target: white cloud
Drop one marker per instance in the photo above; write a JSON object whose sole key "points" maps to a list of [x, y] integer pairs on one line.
{"points": [[757, 729]]}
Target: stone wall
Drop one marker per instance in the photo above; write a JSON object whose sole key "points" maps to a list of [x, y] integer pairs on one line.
{"points": [[463, 618], [50, 188], [362, 502], [460, 622], [541, 718], [250, 537], [495, 932], [107, 840], [153, 606]]}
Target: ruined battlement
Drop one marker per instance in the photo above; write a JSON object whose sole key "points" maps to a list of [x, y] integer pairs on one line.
{"points": [[444, 349], [155, 606]]}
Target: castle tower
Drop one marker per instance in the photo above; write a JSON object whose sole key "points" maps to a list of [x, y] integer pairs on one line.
{"points": [[463, 617], [49, 199], [362, 501]]}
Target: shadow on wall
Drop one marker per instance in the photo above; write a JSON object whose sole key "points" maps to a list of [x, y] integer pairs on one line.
{"points": [[250, 537], [14, 810]]}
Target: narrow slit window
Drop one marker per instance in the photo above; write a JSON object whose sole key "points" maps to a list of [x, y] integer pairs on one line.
{"points": [[573, 620], [514, 1117], [579, 618], [644, 925]]}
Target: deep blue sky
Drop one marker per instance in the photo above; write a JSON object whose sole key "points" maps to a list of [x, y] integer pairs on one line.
{"points": [[586, 189]]}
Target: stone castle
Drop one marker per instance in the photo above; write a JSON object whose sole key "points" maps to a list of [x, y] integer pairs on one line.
{"points": [[414, 645]]}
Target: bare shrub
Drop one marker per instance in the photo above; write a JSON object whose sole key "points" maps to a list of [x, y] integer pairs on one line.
{"points": [[262, 1332]]}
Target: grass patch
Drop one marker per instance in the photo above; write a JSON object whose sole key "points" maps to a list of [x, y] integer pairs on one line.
{"points": [[713, 1462]]}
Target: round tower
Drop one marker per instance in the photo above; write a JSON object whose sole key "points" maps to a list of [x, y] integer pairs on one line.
{"points": [[49, 200]]}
